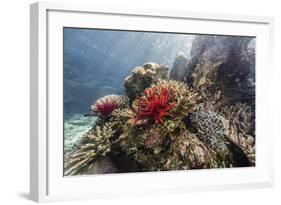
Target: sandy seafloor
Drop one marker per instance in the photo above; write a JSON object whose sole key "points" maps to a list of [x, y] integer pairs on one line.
{"points": [[74, 127]]}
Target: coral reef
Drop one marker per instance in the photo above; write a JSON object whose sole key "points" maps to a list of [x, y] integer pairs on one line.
{"points": [[203, 118], [157, 138], [158, 149], [143, 77], [162, 107]]}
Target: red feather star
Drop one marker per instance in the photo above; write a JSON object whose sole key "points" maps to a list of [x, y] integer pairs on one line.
{"points": [[105, 108], [154, 105]]}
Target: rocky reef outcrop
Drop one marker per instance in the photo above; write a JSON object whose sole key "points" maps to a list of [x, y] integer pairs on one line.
{"points": [[222, 69], [203, 117], [220, 65], [180, 67], [143, 76]]}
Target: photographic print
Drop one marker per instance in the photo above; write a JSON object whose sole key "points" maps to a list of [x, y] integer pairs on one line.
{"points": [[139, 101]]}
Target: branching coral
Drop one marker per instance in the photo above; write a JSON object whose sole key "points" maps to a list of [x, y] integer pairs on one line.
{"points": [[107, 104], [210, 129], [120, 121], [94, 144]]}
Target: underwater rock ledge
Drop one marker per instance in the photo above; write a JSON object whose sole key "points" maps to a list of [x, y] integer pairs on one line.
{"points": [[220, 64]]}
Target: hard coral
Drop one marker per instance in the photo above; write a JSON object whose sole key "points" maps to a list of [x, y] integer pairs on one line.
{"points": [[210, 129], [94, 144], [107, 104], [142, 77], [154, 105]]}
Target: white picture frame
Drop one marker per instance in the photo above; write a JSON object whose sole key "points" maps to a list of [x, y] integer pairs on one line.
{"points": [[46, 178]]}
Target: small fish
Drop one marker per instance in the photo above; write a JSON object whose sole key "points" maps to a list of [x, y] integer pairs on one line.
{"points": [[123, 136], [141, 122], [90, 114]]}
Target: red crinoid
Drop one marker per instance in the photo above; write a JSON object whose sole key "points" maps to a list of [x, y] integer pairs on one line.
{"points": [[154, 105], [107, 104], [105, 108]]}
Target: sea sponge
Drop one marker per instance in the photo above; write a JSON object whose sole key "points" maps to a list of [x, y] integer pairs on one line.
{"points": [[107, 104]]}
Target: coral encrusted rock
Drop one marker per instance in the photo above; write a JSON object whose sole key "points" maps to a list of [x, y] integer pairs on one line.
{"points": [[239, 125], [224, 65], [166, 101], [143, 76]]}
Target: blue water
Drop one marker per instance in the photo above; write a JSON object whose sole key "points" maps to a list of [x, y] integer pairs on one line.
{"points": [[96, 63]]}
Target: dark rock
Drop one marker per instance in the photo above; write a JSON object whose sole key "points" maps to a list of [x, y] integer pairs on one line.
{"points": [[102, 166], [180, 67], [224, 65]]}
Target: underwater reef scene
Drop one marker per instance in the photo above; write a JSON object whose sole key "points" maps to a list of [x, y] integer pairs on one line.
{"points": [[149, 101]]}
